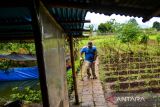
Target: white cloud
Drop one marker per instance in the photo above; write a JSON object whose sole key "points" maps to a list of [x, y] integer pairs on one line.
{"points": [[96, 19]]}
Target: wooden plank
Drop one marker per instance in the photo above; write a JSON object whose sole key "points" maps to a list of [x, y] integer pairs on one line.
{"points": [[74, 21]]}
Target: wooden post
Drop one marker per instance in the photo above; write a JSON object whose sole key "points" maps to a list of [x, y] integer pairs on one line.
{"points": [[73, 70], [34, 9]]}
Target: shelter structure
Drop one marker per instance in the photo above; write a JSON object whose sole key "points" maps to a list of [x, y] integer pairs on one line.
{"points": [[47, 22]]}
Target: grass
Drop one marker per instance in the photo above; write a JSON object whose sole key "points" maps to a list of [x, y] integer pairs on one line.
{"points": [[154, 36], [101, 73]]}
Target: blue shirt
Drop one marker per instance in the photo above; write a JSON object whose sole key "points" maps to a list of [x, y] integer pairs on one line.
{"points": [[89, 53]]}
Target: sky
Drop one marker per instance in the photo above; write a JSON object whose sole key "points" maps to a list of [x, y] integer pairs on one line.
{"points": [[96, 19]]}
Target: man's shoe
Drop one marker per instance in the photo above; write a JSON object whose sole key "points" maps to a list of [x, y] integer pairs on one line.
{"points": [[94, 77]]}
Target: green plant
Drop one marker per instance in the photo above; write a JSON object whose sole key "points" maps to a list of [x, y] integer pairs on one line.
{"points": [[5, 64], [28, 94], [17, 47], [2, 101], [128, 33], [156, 25], [133, 66], [101, 73], [158, 39], [117, 86], [138, 77], [144, 40], [69, 81]]}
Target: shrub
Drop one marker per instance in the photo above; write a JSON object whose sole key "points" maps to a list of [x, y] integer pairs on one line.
{"points": [[28, 94], [158, 39]]}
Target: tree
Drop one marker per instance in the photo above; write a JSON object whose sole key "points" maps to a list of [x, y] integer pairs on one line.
{"points": [[133, 21], [128, 33], [107, 26], [156, 25], [102, 28]]}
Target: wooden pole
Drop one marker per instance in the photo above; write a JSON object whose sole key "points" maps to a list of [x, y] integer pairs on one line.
{"points": [[73, 70], [34, 9]]}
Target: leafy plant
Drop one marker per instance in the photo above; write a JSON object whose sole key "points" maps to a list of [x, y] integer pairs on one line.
{"points": [[108, 26], [5, 64], [27, 94], [17, 47], [144, 40], [158, 39], [69, 81], [128, 33], [117, 86]]}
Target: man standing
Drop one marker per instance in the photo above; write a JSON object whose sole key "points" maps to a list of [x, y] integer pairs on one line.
{"points": [[90, 52]]}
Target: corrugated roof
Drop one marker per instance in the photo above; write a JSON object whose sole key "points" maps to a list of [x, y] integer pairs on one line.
{"points": [[136, 8], [70, 14], [69, 19]]}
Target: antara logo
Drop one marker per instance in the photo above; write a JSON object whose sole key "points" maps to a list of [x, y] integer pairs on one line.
{"points": [[113, 99]]}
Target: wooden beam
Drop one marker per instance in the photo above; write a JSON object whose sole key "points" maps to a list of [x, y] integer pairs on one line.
{"points": [[77, 30], [16, 36], [14, 23], [73, 70], [34, 9], [74, 21], [22, 31], [15, 3]]}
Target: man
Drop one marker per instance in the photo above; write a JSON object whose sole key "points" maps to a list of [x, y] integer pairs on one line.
{"points": [[90, 52]]}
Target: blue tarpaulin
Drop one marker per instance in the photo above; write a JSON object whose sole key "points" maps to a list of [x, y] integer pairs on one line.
{"points": [[15, 74]]}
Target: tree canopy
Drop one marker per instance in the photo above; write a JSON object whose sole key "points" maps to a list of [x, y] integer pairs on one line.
{"points": [[128, 32], [156, 25], [107, 26]]}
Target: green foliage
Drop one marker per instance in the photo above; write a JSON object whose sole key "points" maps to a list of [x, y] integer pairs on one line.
{"points": [[5, 64], [102, 73], [27, 94], [69, 81], [102, 28], [156, 25], [150, 31], [133, 21], [144, 38], [107, 27], [129, 33], [2, 101], [158, 39], [15, 47]]}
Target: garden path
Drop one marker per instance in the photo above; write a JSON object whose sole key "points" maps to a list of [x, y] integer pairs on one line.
{"points": [[90, 91]]}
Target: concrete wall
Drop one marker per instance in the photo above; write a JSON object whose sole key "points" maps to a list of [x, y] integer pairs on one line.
{"points": [[54, 58]]}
